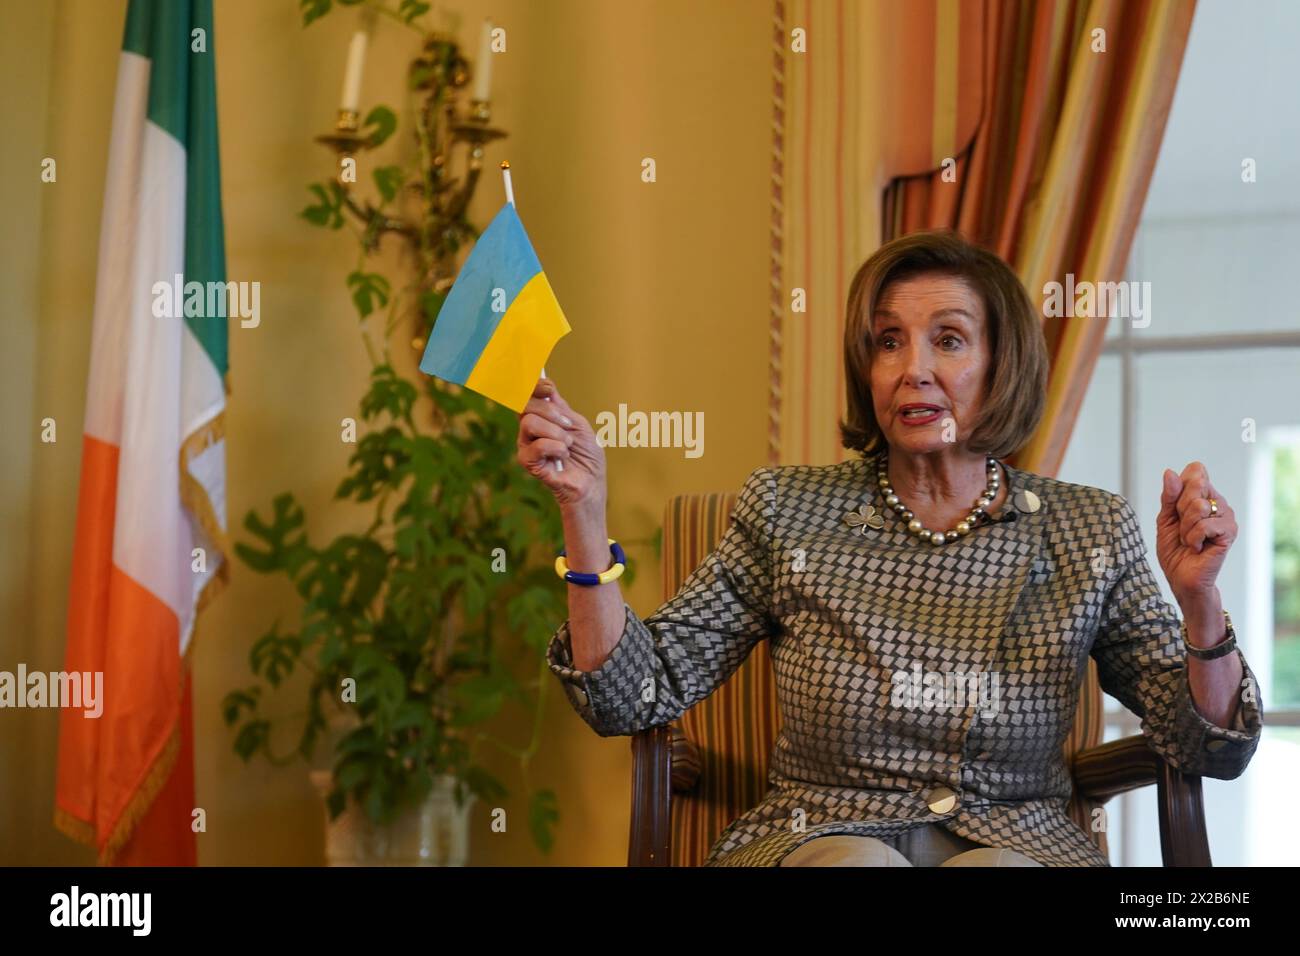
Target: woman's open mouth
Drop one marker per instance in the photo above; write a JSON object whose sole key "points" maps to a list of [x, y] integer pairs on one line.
{"points": [[917, 414]]}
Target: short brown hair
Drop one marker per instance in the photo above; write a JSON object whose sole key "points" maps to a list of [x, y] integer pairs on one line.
{"points": [[1016, 389]]}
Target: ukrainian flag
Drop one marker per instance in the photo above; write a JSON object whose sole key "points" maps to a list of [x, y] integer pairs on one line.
{"points": [[500, 320]]}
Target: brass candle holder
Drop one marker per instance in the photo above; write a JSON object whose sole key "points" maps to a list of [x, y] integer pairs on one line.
{"points": [[439, 75]]}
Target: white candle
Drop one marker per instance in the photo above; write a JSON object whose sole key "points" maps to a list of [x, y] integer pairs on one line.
{"points": [[352, 75], [483, 68]]}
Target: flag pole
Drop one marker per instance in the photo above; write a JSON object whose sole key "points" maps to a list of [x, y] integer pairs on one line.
{"points": [[510, 198]]}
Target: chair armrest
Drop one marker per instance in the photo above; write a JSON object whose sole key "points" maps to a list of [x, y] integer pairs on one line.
{"points": [[650, 830], [1115, 767], [1127, 764], [664, 762]]}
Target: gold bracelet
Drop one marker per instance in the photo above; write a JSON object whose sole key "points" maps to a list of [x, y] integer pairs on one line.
{"points": [[1214, 651]]}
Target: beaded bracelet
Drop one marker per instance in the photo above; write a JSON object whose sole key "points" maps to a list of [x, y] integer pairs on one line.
{"points": [[584, 577]]}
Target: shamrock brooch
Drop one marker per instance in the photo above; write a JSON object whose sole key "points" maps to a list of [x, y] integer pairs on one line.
{"points": [[867, 517]]}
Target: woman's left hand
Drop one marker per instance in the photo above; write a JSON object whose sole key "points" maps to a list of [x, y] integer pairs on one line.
{"points": [[1191, 543]]}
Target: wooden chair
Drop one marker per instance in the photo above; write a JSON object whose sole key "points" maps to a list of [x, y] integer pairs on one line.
{"points": [[691, 778]]}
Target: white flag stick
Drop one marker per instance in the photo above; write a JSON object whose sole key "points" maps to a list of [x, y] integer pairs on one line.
{"points": [[559, 465], [510, 190], [510, 198]]}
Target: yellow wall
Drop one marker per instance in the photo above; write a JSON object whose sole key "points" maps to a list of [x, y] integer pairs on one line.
{"points": [[665, 285]]}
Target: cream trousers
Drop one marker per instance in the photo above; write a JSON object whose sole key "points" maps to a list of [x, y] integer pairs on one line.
{"points": [[928, 845]]}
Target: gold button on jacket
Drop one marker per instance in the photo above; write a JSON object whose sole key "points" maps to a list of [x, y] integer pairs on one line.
{"points": [[941, 799]]}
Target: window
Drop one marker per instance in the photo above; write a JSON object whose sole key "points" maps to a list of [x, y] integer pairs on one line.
{"points": [[1212, 373]]}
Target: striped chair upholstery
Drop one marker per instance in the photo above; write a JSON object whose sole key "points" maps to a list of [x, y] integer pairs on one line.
{"points": [[734, 729]]}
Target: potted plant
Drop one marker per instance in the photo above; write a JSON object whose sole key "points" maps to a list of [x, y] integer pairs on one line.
{"points": [[412, 629]]}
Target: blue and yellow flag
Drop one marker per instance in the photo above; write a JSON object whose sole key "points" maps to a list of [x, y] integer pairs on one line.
{"points": [[500, 320]]}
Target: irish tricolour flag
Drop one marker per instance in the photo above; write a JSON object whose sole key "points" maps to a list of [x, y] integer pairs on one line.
{"points": [[150, 544]]}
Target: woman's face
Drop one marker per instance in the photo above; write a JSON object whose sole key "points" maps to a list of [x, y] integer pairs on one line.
{"points": [[930, 362]]}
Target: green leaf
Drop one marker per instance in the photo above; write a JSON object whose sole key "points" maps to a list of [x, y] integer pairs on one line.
{"points": [[322, 582], [412, 715], [389, 180], [368, 288], [313, 10], [389, 392], [378, 464], [360, 740], [384, 122], [543, 814], [479, 698], [485, 786], [410, 9], [370, 566], [252, 737], [273, 655], [331, 651], [328, 209], [259, 561], [351, 774], [285, 549], [381, 684], [236, 702]]}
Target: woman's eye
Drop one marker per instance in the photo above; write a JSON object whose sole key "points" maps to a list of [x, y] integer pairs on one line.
{"points": [[886, 342], [950, 342]]}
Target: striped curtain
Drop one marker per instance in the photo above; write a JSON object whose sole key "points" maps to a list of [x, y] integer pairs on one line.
{"points": [[863, 92], [1007, 121]]}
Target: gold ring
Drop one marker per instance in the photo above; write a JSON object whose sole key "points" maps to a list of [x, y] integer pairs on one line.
{"points": [[1214, 507]]}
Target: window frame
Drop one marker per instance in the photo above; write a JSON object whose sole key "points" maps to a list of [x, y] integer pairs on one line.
{"points": [[1127, 346]]}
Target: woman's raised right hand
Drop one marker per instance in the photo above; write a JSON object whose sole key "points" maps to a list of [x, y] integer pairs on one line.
{"points": [[552, 430]]}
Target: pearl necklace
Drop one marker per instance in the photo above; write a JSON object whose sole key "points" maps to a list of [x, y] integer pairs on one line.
{"points": [[978, 514]]}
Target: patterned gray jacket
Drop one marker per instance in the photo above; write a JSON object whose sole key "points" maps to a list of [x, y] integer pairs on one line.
{"points": [[917, 684]]}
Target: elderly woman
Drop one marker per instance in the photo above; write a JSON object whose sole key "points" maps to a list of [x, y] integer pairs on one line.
{"points": [[923, 565]]}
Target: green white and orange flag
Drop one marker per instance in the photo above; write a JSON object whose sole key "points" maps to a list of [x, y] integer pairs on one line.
{"points": [[151, 516]]}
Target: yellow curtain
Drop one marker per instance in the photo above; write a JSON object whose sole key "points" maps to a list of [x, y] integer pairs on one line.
{"points": [[863, 92]]}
